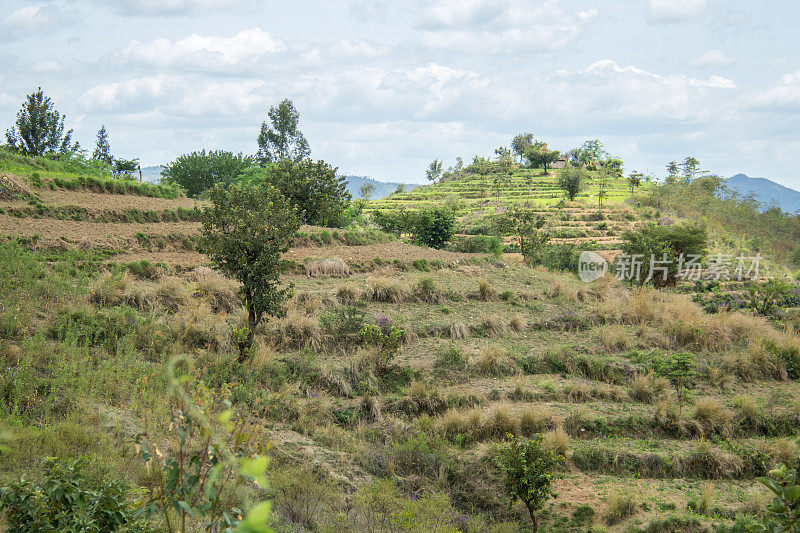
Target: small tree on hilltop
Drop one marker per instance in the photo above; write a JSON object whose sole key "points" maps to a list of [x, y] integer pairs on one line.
{"points": [[282, 138], [526, 466], [520, 143], [102, 150], [571, 180], [245, 232], [635, 180], [538, 155], [39, 128], [434, 171], [679, 369]]}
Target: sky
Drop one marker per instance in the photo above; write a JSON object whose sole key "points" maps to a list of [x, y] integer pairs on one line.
{"points": [[385, 86]]}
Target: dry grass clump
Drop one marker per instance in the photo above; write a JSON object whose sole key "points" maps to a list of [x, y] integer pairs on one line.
{"points": [[333, 267], [747, 410], [312, 303], [108, 289], [642, 388], [619, 506], [295, 330], [197, 326], [717, 377], [713, 414], [556, 441], [382, 289], [607, 311], [486, 292], [491, 325], [172, 294], [347, 293], [559, 288], [493, 361], [518, 323], [219, 292], [534, 420], [499, 423], [784, 450], [613, 337], [427, 292], [458, 331]]}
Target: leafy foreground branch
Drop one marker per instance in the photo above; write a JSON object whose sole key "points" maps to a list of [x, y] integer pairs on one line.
{"points": [[195, 487]]}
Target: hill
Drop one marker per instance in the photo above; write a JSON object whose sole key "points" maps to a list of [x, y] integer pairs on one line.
{"points": [[767, 192], [382, 188], [107, 288]]}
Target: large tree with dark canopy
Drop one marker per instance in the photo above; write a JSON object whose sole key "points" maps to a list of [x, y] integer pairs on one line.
{"points": [[39, 128]]}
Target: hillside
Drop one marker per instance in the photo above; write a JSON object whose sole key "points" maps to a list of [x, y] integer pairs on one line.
{"points": [[382, 188], [767, 192], [107, 289]]}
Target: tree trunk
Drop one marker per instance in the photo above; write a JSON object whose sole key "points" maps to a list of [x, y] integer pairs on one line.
{"points": [[534, 523]]}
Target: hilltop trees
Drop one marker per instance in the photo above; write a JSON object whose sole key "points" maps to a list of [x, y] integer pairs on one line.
{"points": [[282, 138], [635, 180], [39, 128], [102, 150], [672, 171], [245, 232], [320, 195], [571, 180], [666, 244], [199, 171], [520, 143], [434, 171], [538, 155]]}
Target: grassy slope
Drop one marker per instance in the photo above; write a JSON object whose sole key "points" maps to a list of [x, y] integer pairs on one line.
{"points": [[534, 352]]}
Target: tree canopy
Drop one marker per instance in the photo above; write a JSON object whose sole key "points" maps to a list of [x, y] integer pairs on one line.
{"points": [[199, 171], [39, 128], [320, 195], [245, 232], [102, 150], [281, 138], [572, 180]]}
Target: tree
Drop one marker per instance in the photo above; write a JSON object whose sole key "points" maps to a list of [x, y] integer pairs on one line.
{"points": [[672, 171], [246, 229], [520, 143], [666, 244], [434, 227], [102, 150], [499, 180], [320, 195], [125, 167], [592, 153], [526, 467], [401, 188], [434, 171], [689, 168], [527, 226], [366, 190], [199, 171], [505, 162], [679, 369], [635, 180], [602, 193], [538, 155], [39, 128], [571, 180], [613, 165], [282, 138]]}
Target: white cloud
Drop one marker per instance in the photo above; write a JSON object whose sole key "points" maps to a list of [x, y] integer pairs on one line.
{"points": [[712, 58], [675, 10], [714, 82], [32, 21], [175, 7], [504, 26], [204, 52], [785, 97], [47, 66]]}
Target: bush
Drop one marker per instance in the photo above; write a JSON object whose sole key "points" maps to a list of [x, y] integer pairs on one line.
{"points": [[199, 171], [434, 227], [63, 502], [479, 244], [657, 241]]}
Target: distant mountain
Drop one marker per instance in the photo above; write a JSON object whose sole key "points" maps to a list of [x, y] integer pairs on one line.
{"points": [[767, 192], [354, 183], [382, 188], [152, 174]]}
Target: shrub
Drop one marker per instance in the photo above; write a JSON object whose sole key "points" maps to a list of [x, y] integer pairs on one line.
{"points": [[64, 502], [434, 227], [199, 171], [657, 241], [526, 465], [493, 361], [450, 357], [427, 292], [783, 515]]}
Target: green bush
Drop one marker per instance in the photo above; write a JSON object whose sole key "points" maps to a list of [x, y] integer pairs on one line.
{"points": [[434, 227], [199, 171], [63, 502]]}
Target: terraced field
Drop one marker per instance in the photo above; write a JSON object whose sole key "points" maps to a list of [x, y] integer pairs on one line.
{"points": [[490, 347]]}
